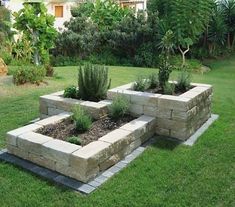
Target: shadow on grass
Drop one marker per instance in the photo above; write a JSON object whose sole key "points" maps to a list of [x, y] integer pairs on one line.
{"points": [[165, 143]]}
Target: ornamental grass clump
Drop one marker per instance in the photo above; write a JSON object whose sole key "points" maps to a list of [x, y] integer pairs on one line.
{"points": [[119, 107], [183, 81], [93, 82], [82, 120]]}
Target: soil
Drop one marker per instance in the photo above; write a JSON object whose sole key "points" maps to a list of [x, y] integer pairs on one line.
{"points": [[101, 127], [159, 90]]}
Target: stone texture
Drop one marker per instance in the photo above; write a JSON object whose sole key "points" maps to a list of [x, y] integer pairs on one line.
{"points": [[59, 150], [18, 152], [54, 119], [42, 161], [32, 142], [174, 102], [136, 110], [12, 135], [118, 139], [54, 111], [91, 155]]}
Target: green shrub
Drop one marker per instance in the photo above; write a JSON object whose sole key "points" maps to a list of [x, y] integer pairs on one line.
{"points": [[141, 84], [64, 61], [183, 81], [28, 74], [74, 140], [49, 70], [119, 107], [71, 92], [6, 56], [82, 120], [93, 82], [169, 88], [153, 81]]}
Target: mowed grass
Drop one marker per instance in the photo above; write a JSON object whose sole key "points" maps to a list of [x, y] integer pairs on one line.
{"points": [[166, 174]]}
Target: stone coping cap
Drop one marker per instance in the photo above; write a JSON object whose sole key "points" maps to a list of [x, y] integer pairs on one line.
{"points": [[54, 119], [35, 137]]}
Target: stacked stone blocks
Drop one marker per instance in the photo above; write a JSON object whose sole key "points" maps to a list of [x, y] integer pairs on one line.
{"points": [[81, 163]]}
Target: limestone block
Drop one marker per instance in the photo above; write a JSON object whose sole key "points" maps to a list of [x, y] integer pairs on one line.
{"points": [[32, 142], [118, 139], [54, 119], [174, 102], [12, 135], [162, 131], [181, 135], [110, 162], [184, 115], [141, 126], [132, 146], [96, 110], [106, 102], [136, 110], [59, 150], [78, 174], [150, 111], [54, 111], [43, 107], [42, 161], [17, 151], [91, 155], [164, 113], [143, 98], [172, 124]]}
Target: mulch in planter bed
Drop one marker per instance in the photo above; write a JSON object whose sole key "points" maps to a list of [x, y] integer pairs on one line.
{"points": [[65, 129]]}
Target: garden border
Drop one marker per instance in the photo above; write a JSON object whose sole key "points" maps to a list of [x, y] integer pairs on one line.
{"points": [[81, 163]]}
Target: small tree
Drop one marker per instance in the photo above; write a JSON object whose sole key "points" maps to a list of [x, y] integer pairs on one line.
{"points": [[165, 67], [38, 28], [187, 19]]}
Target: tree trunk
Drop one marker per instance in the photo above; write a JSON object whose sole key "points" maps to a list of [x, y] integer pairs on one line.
{"points": [[183, 53]]}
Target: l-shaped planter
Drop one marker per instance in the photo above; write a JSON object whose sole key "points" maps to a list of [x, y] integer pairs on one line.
{"points": [[81, 163], [177, 116]]}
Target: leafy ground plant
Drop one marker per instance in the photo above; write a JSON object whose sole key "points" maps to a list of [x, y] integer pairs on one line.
{"points": [[74, 140], [71, 92], [183, 81], [141, 84], [82, 120], [119, 107]]}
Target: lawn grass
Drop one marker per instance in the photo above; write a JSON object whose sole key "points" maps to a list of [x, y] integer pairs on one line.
{"points": [[165, 175]]}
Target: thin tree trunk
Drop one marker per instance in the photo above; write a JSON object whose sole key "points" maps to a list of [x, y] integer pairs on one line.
{"points": [[183, 53]]}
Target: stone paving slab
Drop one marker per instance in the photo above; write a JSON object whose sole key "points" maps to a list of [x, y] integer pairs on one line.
{"points": [[100, 179]]}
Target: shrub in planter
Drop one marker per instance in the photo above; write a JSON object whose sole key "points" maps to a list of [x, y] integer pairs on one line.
{"points": [[82, 120], [141, 84], [119, 107], [74, 140], [169, 88], [28, 74], [93, 82], [153, 81], [71, 92], [183, 81]]}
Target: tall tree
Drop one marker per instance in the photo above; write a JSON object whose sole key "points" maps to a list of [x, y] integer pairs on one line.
{"points": [[37, 27]]}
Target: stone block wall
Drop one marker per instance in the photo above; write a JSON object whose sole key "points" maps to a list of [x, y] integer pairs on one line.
{"points": [[81, 163], [55, 103], [177, 116]]}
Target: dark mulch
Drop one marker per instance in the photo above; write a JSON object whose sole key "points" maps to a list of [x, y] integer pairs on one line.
{"points": [[66, 129]]}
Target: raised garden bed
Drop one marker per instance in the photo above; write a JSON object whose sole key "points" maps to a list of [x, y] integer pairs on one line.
{"points": [[67, 128], [177, 116], [81, 163], [55, 103]]}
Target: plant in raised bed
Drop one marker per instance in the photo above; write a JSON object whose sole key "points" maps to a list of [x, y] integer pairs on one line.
{"points": [[71, 92], [153, 81], [82, 120], [74, 140], [119, 107], [183, 81], [93, 82], [141, 84], [169, 88]]}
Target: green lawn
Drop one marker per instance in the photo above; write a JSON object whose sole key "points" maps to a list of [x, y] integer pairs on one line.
{"points": [[164, 175]]}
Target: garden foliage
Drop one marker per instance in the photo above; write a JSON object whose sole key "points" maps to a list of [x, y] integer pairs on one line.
{"points": [[119, 107]]}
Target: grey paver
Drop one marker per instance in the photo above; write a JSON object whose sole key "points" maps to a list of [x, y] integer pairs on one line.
{"points": [[69, 182], [94, 183], [101, 179], [121, 164], [85, 188], [46, 173]]}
